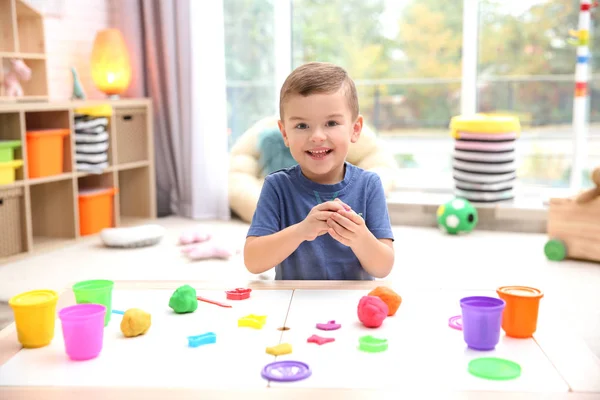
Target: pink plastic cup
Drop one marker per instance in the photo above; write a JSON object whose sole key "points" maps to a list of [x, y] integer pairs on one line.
{"points": [[83, 330]]}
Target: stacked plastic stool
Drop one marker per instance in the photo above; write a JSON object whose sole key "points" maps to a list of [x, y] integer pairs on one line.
{"points": [[484, 157]]}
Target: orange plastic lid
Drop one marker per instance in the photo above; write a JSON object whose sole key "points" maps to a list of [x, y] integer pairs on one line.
{"points": [[33, 298], [521, 291], [86, 193], [48, 132]]}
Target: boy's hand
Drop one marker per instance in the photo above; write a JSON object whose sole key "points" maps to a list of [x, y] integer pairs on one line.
{"points": [[347, 227], [315, 223]]}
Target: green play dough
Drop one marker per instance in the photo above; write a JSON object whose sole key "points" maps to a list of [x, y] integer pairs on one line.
{"points": [[493, 368], [184, 300]]}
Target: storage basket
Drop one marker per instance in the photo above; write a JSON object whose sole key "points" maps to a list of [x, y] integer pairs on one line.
{"points": [[12, 217], [7, 149], [96, 210], [8, 171], [132, 141], [46, 152]]}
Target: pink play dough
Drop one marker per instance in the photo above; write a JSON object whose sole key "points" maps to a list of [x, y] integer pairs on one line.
{"points": [[372, 311]]}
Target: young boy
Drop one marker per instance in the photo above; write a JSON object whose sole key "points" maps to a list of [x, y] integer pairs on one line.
{"points": [[323, 219]]}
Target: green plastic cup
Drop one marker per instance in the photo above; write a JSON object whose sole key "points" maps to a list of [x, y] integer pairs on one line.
{"points": [[96, 291]]}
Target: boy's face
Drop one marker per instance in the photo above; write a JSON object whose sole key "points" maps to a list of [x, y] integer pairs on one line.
{"points": [[318, 129]]}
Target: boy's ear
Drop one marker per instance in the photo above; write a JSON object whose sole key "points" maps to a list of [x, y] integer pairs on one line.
{"points": [[357, 129], [283, 133]]}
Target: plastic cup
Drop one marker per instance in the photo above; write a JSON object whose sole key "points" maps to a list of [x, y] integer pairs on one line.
{"points": [[482, 320], [521, 312], [35, 316], [96, 292], [83, 330]]}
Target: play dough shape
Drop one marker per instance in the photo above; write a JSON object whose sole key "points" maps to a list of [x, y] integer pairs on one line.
{"points": [[372, 344], [319, 340], [135, 322], [493, 368], [184, 300], [280, 349], [372, 311], [199, 340], [329, 326], [389, 297], [252, 321]]}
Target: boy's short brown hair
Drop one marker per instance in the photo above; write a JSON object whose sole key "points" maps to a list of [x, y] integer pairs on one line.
{"points": [[319, 77]]}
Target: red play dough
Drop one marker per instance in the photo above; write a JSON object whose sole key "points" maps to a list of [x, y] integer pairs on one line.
{"points": [[372, 311]]}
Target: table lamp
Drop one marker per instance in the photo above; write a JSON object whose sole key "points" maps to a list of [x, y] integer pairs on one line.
{"points": [[111, 69]]}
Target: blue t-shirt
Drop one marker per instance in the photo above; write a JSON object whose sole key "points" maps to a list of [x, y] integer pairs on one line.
{"points": [[286, 199]]}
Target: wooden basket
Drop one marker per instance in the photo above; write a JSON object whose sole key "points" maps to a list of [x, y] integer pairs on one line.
{"points": [[12, 217]]}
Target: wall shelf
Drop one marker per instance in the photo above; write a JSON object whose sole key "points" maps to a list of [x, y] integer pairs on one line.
{"points": [[43, 212], [22, 37]]}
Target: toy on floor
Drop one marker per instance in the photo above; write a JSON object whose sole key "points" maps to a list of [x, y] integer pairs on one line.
{"points": [[209, 249], [372, 311], [574, 226], [195, 235], [135, 322], [17, 71], [131, 237], [457, 216], [184, 300]]}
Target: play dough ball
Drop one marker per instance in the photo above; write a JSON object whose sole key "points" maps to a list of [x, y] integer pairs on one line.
{"points": [[457, 216], [135, 322], [389, 297], [184, 300], [372, 311]]}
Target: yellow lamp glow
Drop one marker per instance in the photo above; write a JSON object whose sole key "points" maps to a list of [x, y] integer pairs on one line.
{"points": [[111, 69]]}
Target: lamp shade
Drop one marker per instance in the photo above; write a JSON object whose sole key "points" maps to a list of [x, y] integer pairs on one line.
{"points": [[111, 68]]}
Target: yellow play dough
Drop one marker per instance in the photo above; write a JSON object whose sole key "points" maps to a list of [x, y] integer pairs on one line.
{"points": [[280, 349], [135, 322]]}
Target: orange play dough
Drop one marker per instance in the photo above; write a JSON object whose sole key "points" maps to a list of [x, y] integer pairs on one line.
{"points": [[389, 297]]}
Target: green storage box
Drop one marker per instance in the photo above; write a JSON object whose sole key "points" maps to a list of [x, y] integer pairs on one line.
{"points": [[7, 149]]}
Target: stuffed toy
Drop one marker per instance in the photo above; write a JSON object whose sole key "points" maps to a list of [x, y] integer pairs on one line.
{"points": [[17, 72], [274, 154]]}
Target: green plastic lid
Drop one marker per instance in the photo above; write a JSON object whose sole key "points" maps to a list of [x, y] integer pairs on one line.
{"points": [[9, 144], [555, 250], [493, 368]]}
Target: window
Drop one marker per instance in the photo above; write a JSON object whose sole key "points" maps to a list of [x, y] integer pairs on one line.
{"points": [[406, 58], [526, 67]]}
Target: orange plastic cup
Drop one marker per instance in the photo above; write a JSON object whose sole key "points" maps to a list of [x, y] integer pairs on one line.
{"points": [[35, 316], [520, 316]]}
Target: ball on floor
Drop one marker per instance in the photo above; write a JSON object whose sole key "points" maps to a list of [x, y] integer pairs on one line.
{"points": [[457, 216]]}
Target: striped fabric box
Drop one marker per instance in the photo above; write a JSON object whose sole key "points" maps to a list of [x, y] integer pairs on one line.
{"points": [[92, 138], [484, 157]]}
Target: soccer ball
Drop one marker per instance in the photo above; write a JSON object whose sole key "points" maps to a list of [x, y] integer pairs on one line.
{"points": [[457, 216]]}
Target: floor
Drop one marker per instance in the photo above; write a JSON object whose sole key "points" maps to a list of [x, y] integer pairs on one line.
{"points": [[425, 258]]}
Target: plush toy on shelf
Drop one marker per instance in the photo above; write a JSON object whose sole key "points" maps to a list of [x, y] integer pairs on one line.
{"points": [[457, 216], [16, 72]]}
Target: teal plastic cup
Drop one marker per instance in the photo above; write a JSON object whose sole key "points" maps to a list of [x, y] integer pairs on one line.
{"points": [[96, 291]]}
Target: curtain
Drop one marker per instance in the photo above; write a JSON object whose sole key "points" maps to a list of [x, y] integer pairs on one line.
{"points": [[179, 64]]}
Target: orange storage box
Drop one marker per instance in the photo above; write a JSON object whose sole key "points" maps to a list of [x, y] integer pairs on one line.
{"points": [[96, 210], [45, 152]]}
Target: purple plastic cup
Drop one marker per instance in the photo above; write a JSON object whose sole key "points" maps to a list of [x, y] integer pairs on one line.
{"points": [[482, 321], [83, 330]]}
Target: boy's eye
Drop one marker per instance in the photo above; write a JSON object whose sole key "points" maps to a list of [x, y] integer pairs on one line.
{"points": [[301, 126], [332, 123]]}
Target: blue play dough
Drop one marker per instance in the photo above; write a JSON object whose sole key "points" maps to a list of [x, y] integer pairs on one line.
{"points": [[274, 154]]}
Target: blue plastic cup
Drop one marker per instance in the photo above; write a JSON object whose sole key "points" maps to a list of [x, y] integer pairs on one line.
{"points": [[482, 321]]}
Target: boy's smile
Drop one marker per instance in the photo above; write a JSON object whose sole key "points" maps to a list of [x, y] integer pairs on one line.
{"points": [[318, 129]]}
